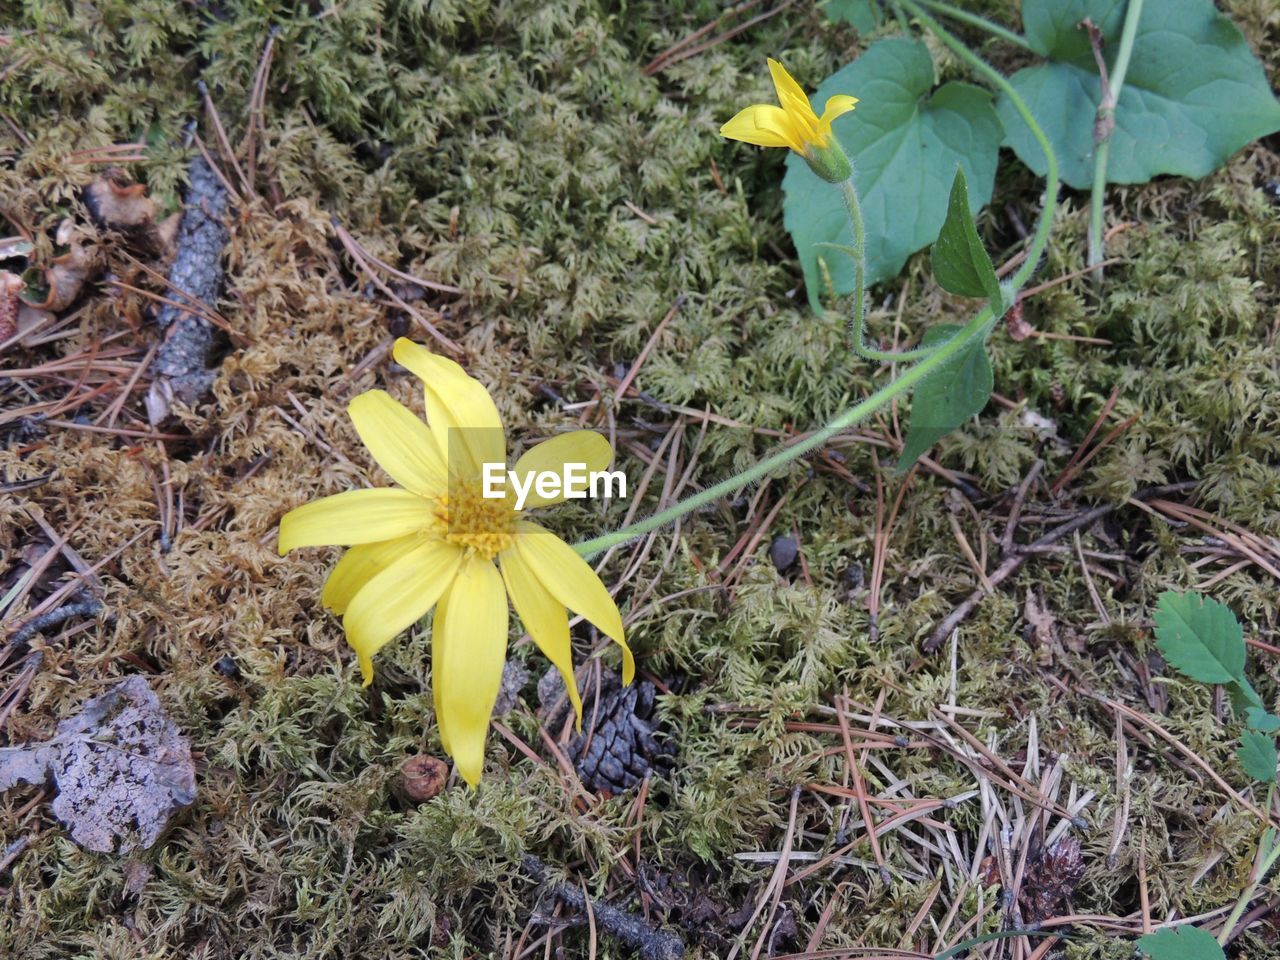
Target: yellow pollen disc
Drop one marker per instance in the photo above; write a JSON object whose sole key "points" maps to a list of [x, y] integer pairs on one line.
{"points": [[470, 520]]}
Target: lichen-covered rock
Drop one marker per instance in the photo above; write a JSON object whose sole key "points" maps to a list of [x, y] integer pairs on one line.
{"points": [[122, 769]]}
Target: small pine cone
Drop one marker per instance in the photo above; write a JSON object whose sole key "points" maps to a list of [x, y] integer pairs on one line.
{"points": [[626, 743]]}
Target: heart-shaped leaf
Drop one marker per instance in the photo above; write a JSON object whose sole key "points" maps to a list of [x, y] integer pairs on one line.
{"points": [[1194, 93], [905, 145], [958, 390], [960, 261], [1199, 637]]}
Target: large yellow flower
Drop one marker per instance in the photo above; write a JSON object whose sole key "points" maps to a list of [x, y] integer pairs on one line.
{"points": [[437, 541], [794, 124]]}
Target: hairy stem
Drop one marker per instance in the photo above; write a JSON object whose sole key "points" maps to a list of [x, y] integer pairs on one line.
{"points": [[858, 323], [1104, 126], [1041, 237], [978, 327]]}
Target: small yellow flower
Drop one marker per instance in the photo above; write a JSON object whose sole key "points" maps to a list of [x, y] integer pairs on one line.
{"points": [[437, 541], [795, 125]]}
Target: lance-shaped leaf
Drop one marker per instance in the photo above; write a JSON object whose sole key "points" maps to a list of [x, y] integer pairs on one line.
{"points": [[960, 261], [958, 390]]}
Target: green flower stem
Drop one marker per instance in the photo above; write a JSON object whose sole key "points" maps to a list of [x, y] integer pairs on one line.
{"points": [[977, 328], [857, 328], [1105, 124], [1041, 238], [955, 13]]}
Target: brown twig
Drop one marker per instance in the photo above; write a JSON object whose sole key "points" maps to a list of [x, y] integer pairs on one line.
{"points": [[631, 930]]}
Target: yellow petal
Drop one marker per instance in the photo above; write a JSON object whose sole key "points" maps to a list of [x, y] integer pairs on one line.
{"points": [[472, 629], [794, 101], [579, 447], [837, 106], [570, 580], [357, 516], [398, 596], [358, 566], [763, 125], [401, 443], [544, 617], [460, 412]]}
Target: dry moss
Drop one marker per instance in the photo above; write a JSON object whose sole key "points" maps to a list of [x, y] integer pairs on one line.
{"points": [[535, 123]]}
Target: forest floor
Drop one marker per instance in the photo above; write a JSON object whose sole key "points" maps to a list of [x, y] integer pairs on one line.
{"points": [[542, 186]]}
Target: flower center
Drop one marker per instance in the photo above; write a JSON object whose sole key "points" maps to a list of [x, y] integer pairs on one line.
{"points": [[470, 520]]}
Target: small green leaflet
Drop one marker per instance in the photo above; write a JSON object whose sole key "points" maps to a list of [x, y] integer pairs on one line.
{"points": [[1257, 754], [960, 261], [1200, 637], [865, 15], [1260, 720], [1194, 93], [1180, 943], [958, 390], [905, 140]]}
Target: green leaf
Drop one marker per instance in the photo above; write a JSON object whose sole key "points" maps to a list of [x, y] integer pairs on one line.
{"points": [[1180, 943], [1243, 697], [1194, 93], [1260, 720], [905, 145], [1199, 637], [1257, 755], [865, 15], [958, 390], [960, 261]]}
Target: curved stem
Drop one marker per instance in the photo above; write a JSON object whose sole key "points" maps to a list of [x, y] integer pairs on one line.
{"points": [[1041, 238], [977, 328], [858, 323], [982, 23]]}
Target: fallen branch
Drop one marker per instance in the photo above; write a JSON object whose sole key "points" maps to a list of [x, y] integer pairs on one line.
{"points": [[196, 281], [634, 931]]}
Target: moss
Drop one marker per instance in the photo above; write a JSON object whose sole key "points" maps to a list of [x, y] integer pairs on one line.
{"points": [[515, 149]]}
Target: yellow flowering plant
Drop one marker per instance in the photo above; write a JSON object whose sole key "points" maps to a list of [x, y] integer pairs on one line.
{"points": [[795, 125], [436, 540], [441, 540]]}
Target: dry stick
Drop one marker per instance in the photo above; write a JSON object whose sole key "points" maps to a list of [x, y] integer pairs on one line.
{"points": [[653, 65], [1015, 511], [257, 103], [1013, 563], [1112, 435], [860, 789], [633, 931]]}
